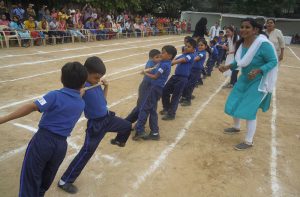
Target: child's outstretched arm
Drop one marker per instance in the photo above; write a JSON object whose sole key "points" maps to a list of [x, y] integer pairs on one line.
{"points": [[179, 61], [197, 59], [152, 76], [20, 112]]}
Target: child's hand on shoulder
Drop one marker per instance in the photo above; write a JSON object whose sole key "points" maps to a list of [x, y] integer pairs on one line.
{"points": [[104, 82], [82, 92]]}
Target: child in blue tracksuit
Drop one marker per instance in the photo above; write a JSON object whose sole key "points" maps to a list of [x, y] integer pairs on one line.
{"points": [[154, 58], [220, 46], [213, 57], [158, 76], [100, 121], [186, 38], [177, 82], [196, 71], [46, 150]]}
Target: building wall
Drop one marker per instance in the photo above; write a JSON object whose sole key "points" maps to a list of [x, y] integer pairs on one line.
{"points": [[287, 26]]}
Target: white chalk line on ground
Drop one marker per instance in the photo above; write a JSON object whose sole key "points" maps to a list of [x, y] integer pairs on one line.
{"points": [[164, 154], [286, 66], [273, 164], [112, 74], [55, 71], [74, 145], [84, 47], [293, 53], [34, 130], [70, 140], [82, 55]]}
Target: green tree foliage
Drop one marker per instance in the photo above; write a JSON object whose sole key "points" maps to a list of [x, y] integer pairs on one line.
{"points": [[275, 8]]}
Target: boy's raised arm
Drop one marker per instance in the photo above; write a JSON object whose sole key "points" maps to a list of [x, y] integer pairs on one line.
{"points": [[20, 112], [178, 61]]}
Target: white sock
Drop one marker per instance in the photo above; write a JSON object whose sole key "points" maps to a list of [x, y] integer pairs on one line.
{"points": [[251, 128], [61, 182], [237, 123]]}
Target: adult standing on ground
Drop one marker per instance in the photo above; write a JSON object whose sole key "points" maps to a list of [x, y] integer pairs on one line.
{"points": [[214, 31], [232, 38], [200, 29], [257, 59], [276, 37]]}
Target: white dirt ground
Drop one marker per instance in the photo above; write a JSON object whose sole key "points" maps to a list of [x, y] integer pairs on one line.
{"points": [[193, 157]]}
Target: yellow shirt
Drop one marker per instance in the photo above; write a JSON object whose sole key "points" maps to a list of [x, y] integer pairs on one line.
{"points": [[30, 25]]}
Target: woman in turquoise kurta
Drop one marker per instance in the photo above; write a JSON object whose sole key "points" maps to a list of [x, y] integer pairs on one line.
{"points": [[245, 98], [15, 24]]}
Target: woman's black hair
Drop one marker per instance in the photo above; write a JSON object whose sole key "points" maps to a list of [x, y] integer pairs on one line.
{"points": [[200, 28], [253, 23], [271, 19], [235, 36], [260, 30]]}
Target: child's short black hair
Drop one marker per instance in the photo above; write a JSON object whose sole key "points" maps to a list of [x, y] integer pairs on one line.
{"points": [[221, 32], [192, 42], [187, 37], [95, 65], [153, 53], [170, 49], [213, 42], [73, 75], [216, 37]]}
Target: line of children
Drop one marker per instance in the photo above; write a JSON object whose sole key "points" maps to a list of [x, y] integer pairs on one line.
{"points": [[178, 81], [213, 58], [154, 59], [195, 72], [221, 45], [148, 106], [62, 108], [46, 150]]}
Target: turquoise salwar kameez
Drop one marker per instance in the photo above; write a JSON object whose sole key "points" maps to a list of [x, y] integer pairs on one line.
{"points": [[245, 99]]}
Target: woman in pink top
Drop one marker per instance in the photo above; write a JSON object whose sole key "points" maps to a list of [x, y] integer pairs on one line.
{"points": [[4, 24]]}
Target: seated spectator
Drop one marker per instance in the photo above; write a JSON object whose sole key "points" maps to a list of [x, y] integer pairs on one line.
{"points": [[91, 26], [102, 30], [62, 28], [54, 14], [108, 27], [30, 25], [42, 12], [148, 29], [183, 26], [129, 29], [30, 11], [3, 9], [78, 16], [48, 15], [43, 25], [54, 30], [15, 24], [296, 39], [73, 31], [19, 11], [154, 30], [137, 29], [143, 28], [4, 24], [114, 27]]}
